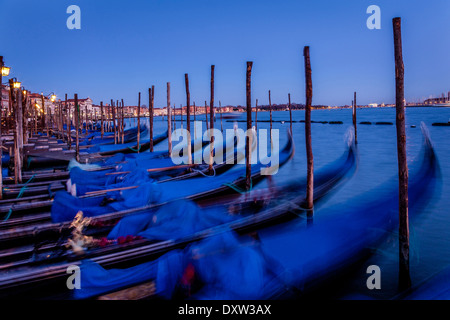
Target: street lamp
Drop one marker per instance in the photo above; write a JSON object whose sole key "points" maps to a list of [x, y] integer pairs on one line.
{"points": [[53, 98], [16, 84], [5, 71]]}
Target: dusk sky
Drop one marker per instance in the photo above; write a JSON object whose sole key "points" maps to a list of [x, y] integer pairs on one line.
{"points": [[124, 47]]}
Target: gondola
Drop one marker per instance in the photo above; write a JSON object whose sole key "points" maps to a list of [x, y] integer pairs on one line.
{"points": [[39, 278]]}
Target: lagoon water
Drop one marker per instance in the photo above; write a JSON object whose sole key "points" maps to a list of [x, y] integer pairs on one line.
{"points": [[429, 232]]}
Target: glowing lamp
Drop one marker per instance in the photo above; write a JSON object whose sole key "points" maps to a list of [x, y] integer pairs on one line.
{"points": [[5, 71], [16, 84]]}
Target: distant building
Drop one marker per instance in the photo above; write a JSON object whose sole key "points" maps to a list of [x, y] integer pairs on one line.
{"points": [[5, 98], [83, 103], [442, 99], [372, 105]]}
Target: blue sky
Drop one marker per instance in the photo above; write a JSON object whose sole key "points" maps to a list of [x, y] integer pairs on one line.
{"points": [[124, 47]]}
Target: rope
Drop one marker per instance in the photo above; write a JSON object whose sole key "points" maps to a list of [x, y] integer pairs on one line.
{"points": [[135, 150], [29, 162], [201, 172], [237, 188], [50, 193], [22, 190]]}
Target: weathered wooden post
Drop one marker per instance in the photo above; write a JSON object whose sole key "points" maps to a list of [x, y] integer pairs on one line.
{"points": [[169, 121], [309, 153], [123, 123], [290, 112], [35, 119], [404, 275], [181, 115], [139, 124], [86, 117], [102, 130], [256, 115], [119, 132], [25, 102], [188, 114], [270, 110], [1, 117], [354, 117], [150, 109], [211, 119], [206, 115], [19, 136], [195, 124], [248, 171], [174, 118], [44, 114], [77, 125], [61, 121], [221, 124], [69, 125], [113, 109]]}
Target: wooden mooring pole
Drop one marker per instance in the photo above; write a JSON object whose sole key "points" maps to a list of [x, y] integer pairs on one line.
{"points": [[248, 171], [86, 118], [404, 275], [119, 127], [181, 114], [206, 115], [1, 118], [188, 114], [211, 119], [113, 109], [102, 129], [77, 121], [256, 115], [290, 111], [169, 121], [69, 125], [195, 124], [123, 122], [270, 111], [309, 153], [150, 109], [354, 118], [139, 124], [220, 109], [18, 135]]}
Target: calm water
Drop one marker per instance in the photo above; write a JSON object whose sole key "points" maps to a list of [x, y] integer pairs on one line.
{"points": [[430, 232]]}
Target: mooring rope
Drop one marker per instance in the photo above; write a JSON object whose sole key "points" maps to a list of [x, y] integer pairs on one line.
{"points": [[22, 190], [135, 150], [237, 188], [208, 176]]}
